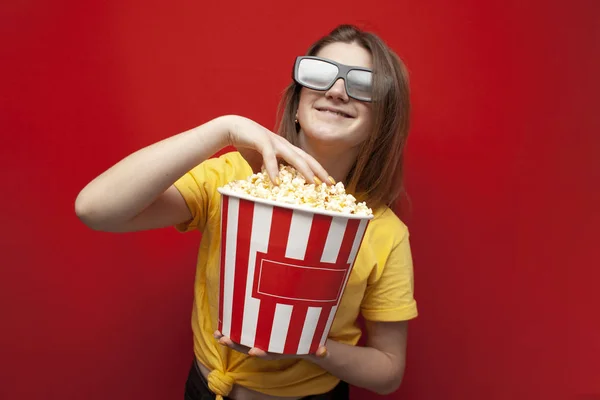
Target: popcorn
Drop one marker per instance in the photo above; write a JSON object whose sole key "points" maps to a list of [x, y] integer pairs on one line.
{"points": [[295, 190]]}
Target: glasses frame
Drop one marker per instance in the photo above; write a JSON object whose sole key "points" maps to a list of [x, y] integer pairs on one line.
{"points": [[343, 71]]}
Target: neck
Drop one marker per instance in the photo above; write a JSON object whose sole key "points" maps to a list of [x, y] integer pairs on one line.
{"points": [[337, 162]]}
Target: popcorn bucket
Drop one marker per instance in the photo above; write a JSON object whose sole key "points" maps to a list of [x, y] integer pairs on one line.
{"points": [[283, 271]]}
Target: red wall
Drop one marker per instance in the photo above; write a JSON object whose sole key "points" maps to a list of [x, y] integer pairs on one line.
{"points": [[503, 173]]}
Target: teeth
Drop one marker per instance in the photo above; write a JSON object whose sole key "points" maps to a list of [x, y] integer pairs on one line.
{"points": [[335, 112]]}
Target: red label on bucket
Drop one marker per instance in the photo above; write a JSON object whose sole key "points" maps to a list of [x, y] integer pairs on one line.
{"points": [[318, 284]]}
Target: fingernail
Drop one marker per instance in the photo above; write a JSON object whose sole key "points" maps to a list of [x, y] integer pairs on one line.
{"points": [[317, 181], [277, 181], [331, 180]]}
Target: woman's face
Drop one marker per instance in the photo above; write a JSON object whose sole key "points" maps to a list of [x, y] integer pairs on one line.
{"points": [[331, 117]]}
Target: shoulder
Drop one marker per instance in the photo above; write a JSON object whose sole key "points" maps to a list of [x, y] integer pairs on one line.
{"points": [[386, 229], [385, 235]]}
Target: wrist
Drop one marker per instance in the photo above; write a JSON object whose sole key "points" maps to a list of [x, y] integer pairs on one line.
{"points": [[320, 361], [226, 126], [217, 130]]}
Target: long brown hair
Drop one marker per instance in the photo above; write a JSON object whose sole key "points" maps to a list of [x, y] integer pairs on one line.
{"points": [[377, 175]]}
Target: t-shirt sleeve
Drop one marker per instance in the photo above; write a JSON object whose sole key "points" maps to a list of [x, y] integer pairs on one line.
{"points": [[389, 294], [198, 187]]}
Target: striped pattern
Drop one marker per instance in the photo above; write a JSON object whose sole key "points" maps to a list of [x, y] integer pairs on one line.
{"points": [[285, 272]]}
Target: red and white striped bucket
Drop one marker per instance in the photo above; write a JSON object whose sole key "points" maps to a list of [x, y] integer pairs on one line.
{"points": [[283, 272]]}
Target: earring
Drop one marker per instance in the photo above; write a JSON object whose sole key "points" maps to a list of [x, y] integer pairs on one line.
{"points": [[296, 120]]}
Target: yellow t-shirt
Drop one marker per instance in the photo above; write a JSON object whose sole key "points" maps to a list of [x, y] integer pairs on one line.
{"points": [[380, 287]]}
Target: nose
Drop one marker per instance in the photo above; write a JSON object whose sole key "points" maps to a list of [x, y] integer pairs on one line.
{"points": [[337, 91]]}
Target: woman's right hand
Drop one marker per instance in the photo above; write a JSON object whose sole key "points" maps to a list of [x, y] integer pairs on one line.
{"points": [[259, 146]]}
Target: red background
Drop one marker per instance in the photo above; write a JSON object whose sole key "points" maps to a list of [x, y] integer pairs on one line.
{"points": [[503, 174]]}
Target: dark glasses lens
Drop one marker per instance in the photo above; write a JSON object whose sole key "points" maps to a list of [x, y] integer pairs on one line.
{"points": [[359, 83], [318, 74]]}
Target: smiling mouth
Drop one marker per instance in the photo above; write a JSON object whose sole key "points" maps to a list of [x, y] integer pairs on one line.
{"points": [[341, 114]]}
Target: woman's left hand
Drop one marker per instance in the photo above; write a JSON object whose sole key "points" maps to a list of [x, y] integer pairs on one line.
{"points": [[256, 352]]}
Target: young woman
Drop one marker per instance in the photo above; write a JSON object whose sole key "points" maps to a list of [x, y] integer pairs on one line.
{"points": [[344, 118]]}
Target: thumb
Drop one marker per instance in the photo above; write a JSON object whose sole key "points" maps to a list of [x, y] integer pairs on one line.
{"points": [[322, 352]]}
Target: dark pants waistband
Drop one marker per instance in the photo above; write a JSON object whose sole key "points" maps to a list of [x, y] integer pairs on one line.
{"points": [[196, 388]]}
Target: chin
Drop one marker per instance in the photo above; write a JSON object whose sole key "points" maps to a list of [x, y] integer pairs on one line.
{"points": [[328, 136], [324, 133]]}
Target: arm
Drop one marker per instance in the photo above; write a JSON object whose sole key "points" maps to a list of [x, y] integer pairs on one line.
{"points": [[378, 367], [137, 193], [388, 300]]}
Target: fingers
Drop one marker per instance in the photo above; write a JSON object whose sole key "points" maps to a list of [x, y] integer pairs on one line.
{"points": [[296, 161], [256, 352], [310, 168], [321, 352], [248, 134], [226, 341], [319, 172], [270, 161], [273, 148], [251, 135]]}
